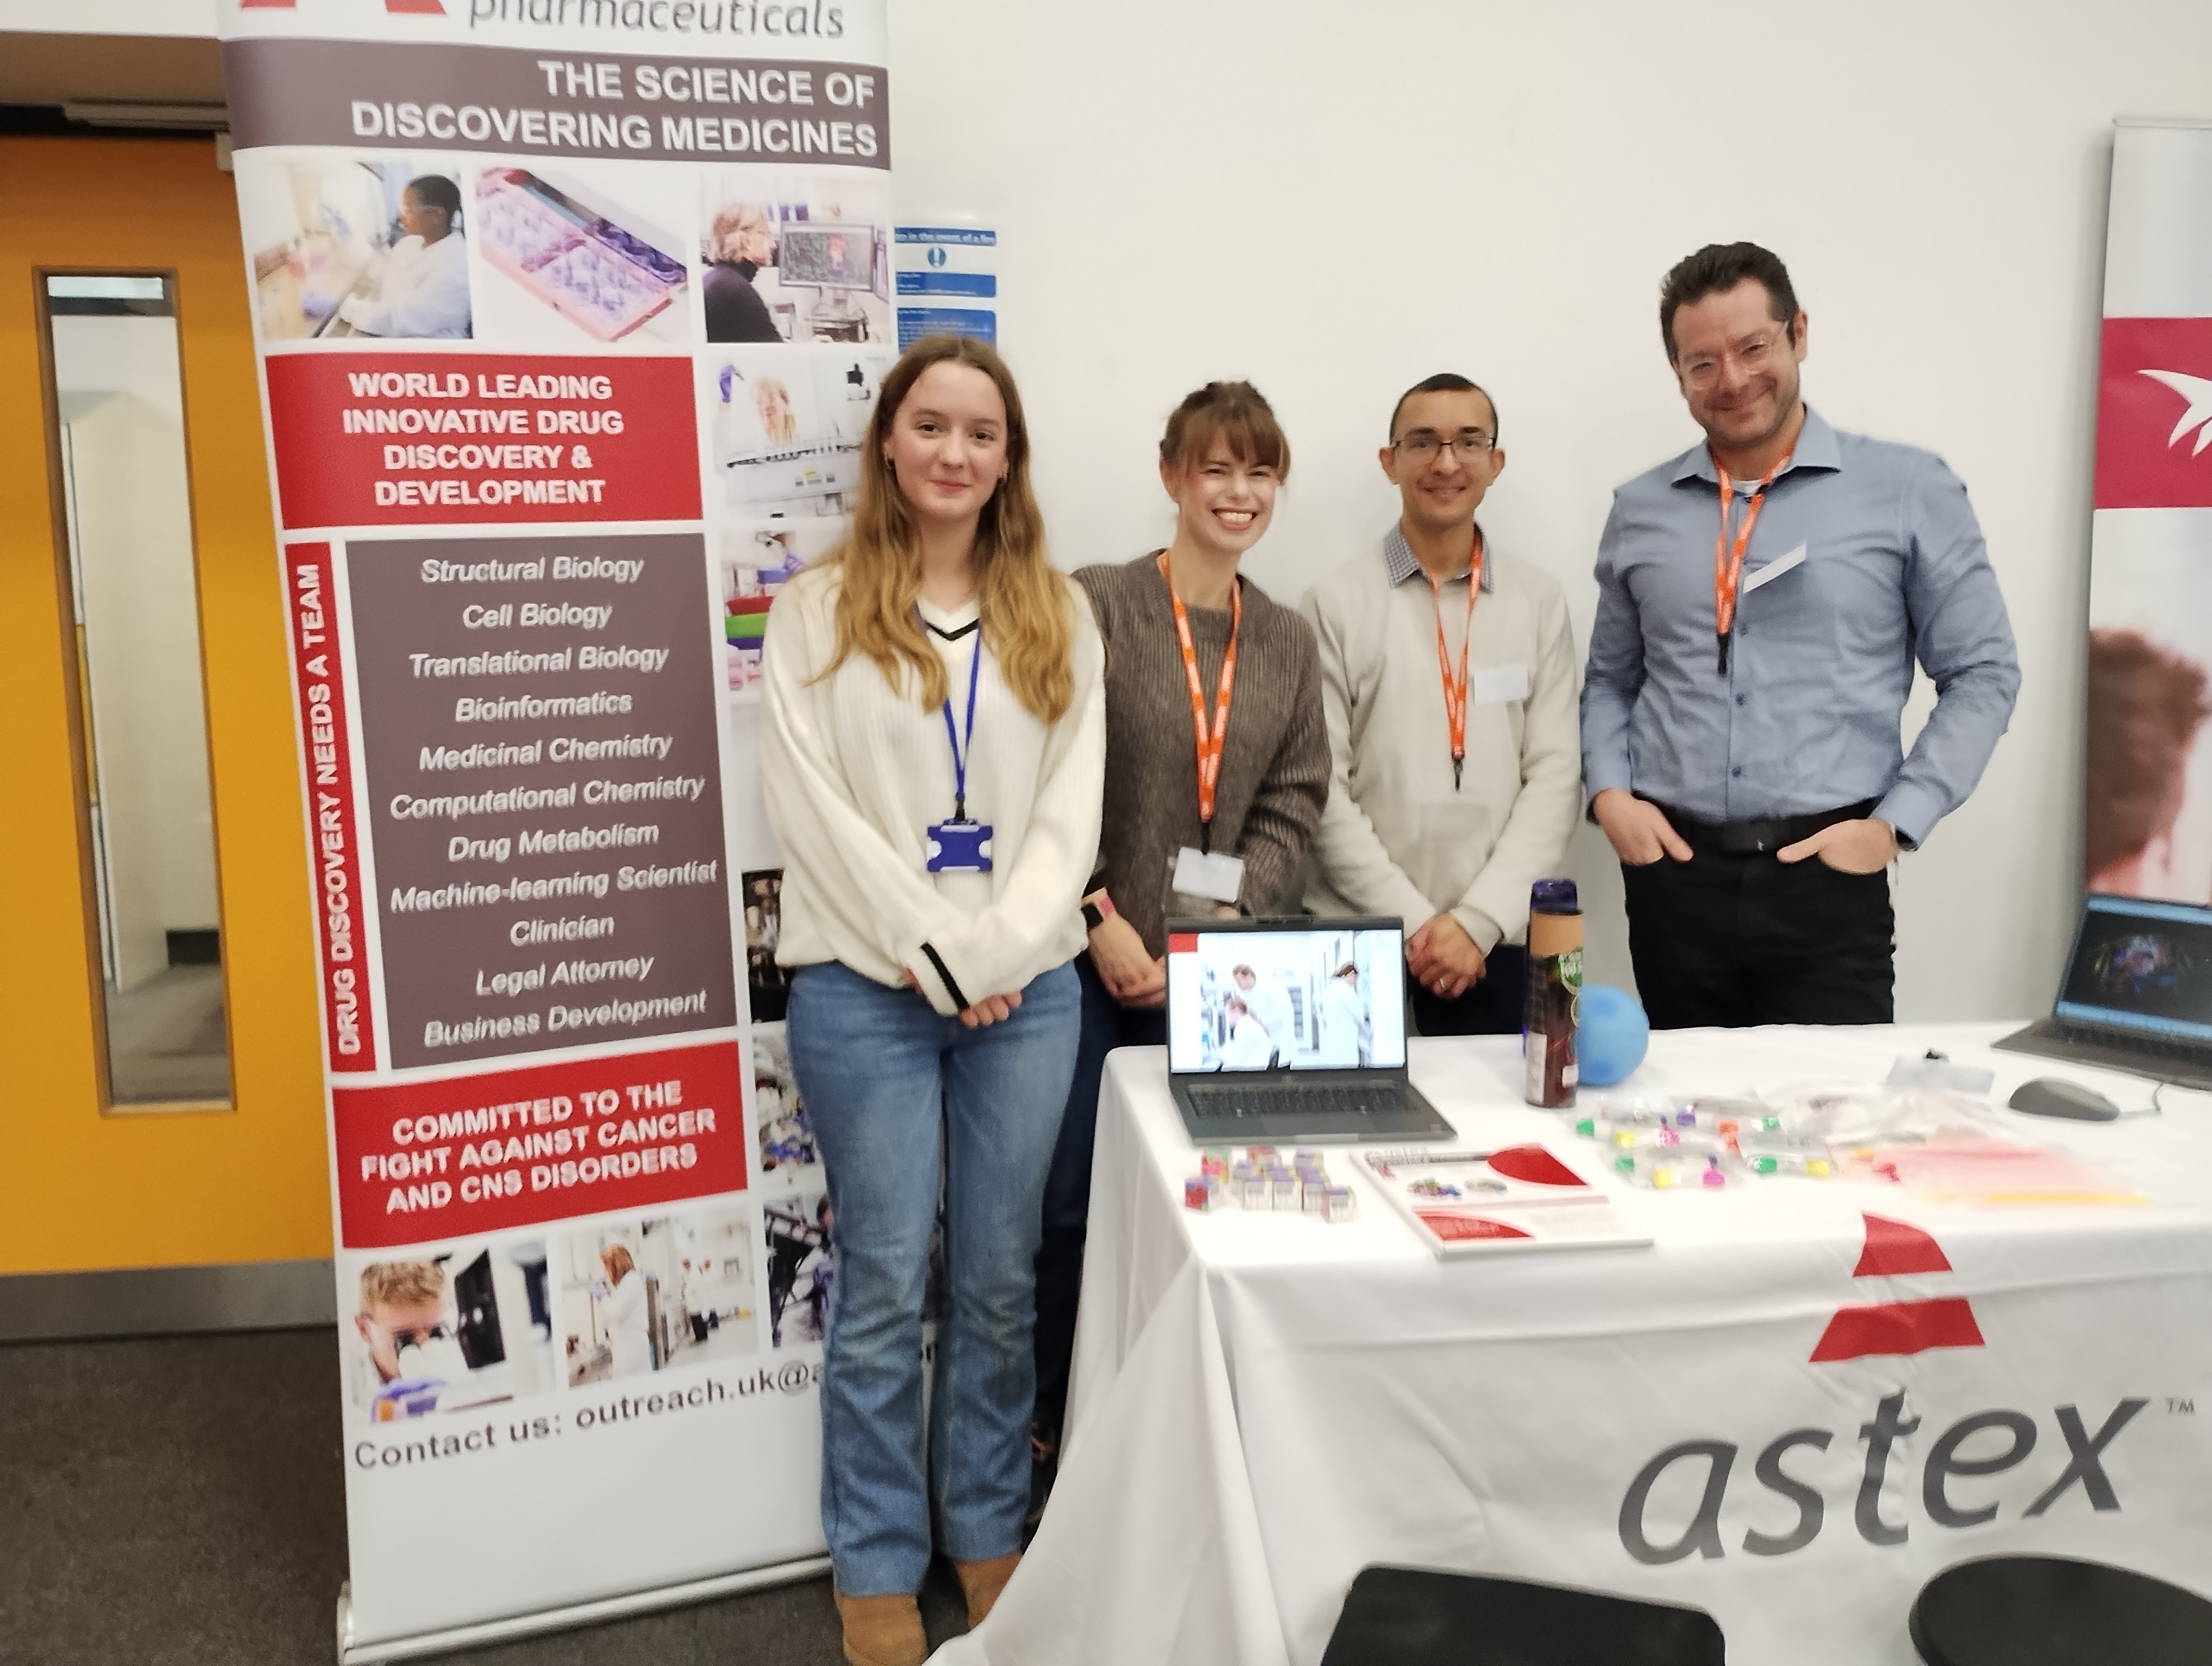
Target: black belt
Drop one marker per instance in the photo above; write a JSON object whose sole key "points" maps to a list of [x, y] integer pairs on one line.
{"points": [[1760, 838]]}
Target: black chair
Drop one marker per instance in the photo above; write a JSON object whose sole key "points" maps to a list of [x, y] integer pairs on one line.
{"points": [[2054, 1611], [1404, 1616]]}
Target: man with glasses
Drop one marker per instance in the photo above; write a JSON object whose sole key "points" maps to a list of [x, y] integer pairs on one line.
{"points": [[1448, 677], [1741, 715]]}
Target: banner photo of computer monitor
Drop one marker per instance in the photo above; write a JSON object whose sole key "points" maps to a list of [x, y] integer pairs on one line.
{"points": [[2150, 800], [570, 320]]}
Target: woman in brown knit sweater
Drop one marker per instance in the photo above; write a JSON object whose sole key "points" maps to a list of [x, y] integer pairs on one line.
{"points": [[1166, 616]]}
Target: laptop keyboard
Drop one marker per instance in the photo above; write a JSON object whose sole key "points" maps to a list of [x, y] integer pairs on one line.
{"points": [[2129, 1041], [1271, 1099]]}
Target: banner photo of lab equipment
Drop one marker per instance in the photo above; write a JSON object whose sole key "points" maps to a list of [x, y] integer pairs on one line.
{"points": [[2148, 829], [569, 332]]}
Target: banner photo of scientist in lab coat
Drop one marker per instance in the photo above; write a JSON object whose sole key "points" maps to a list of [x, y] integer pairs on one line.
{"points": [[358, 245], [568, 329], [655, 1295]]}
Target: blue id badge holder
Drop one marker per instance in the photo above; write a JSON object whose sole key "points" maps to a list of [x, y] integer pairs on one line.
{"points": [[959, 845]]}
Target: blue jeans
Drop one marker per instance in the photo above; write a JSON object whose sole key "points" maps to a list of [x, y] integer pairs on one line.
{"points": [[899, 1095]]}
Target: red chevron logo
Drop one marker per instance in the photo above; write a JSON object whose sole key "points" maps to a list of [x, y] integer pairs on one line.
{"points": [[397, 8], [1877, 1328]]}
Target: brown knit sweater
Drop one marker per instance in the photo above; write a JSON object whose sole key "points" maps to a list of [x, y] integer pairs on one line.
{"points": [[1274, 764]]}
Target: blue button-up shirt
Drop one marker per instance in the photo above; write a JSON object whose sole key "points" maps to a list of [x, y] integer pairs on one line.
{"points": [[1873, 559]]}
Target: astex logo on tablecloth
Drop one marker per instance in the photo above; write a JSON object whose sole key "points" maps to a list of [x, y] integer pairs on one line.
{"points": [[1894, 1249], [1884, 1329]]}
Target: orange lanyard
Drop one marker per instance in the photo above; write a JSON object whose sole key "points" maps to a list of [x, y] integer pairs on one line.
{"points": [[1455, 690], [1727, 561], [1209, 745]]}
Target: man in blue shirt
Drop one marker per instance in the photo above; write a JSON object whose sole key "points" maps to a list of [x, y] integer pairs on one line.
{"points": [[1741, 715]]}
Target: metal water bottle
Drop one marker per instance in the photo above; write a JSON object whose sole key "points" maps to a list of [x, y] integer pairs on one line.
{"points": [[1555, 986]]}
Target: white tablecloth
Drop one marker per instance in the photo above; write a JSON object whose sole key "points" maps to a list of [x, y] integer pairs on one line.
{"points": [[1264, 1404]]}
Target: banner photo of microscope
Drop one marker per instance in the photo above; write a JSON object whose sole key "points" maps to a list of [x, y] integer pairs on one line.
{"points": [[570, 334], [446, 1328]]}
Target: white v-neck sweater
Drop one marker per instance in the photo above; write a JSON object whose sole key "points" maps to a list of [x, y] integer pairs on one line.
{"points": [[856, 771]]}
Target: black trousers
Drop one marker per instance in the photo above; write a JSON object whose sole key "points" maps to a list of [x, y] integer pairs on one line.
{"points": [[1107, 1024], [1491, 1007], [1742, 940]]}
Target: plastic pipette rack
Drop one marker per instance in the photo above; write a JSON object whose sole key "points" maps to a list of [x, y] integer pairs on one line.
{"points": [[581, 264]]}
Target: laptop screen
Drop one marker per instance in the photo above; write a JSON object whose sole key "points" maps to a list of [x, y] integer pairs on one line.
{"points": [[2140, 965], [1299, 998]]}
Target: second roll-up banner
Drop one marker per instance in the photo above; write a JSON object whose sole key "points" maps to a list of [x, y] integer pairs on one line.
{"points": [[571, 314]]}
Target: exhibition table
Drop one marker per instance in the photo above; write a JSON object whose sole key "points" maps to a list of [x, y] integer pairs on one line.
{"points": [[1795, 1406]]}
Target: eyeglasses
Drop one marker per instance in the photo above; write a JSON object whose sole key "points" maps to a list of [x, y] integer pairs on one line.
{"points": [[1751, 356], [416, 1336], [1424, 443]]}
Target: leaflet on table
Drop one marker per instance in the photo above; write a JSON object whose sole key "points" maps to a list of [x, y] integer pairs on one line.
{"points": [[1516, 1197], [569, 329]]}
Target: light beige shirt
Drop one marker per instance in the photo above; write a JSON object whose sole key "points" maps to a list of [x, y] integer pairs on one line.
{"points": [[1398, 837]]}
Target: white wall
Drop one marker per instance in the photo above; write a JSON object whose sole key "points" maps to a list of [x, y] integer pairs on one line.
{"points": [[1335, 200]]}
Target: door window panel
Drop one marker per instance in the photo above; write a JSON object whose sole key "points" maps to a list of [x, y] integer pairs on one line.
{"points": [[118, 399]]}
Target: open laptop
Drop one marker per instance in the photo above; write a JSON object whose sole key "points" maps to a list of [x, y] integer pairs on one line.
{"points": [[1292, 1030], [2137, 993]]}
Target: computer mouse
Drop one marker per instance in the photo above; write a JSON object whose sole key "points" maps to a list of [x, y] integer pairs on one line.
{"points": [[2054, 1096]]}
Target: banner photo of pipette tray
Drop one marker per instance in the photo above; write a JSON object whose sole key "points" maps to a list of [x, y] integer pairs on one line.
{"points": [[570, 321]]}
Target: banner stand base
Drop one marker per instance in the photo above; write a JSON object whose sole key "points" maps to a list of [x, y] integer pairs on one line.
{"points": [[350, 1653]]}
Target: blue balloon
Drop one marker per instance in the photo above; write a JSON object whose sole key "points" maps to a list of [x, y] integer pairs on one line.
{"points": [[1612, 1034]]}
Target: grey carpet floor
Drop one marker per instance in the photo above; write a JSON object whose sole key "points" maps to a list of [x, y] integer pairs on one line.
{"points": [[179, 1501]]}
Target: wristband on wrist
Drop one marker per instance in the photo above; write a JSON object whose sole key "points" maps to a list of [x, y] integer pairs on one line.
{"points": [[1096, 908]]}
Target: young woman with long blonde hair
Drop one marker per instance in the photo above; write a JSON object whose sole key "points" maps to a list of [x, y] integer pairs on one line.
{"points": [[934, 752]]}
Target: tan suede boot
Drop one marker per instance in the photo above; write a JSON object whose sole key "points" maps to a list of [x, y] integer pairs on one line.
{"points": [[882, 1631], [983, 1581]]}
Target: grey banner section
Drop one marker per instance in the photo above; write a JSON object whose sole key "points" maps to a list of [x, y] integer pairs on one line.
{"points": [[544, 790], [156, 1301], [380, 96]]}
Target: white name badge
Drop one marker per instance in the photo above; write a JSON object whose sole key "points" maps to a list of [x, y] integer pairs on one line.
{"points": [[1773, 569], [1210, 875], [1495, 685]]}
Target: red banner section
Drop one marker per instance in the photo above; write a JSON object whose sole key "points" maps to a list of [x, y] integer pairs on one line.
{"points": [[446, 439], [2155, 415], [483, 1153], [335, 839]]}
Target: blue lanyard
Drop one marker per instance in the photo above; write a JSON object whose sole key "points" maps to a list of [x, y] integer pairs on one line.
{"points": [[961, 753]]}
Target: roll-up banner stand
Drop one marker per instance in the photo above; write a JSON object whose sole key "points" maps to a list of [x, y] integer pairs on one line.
{"points": [[570, 316], [2149, 824]]}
